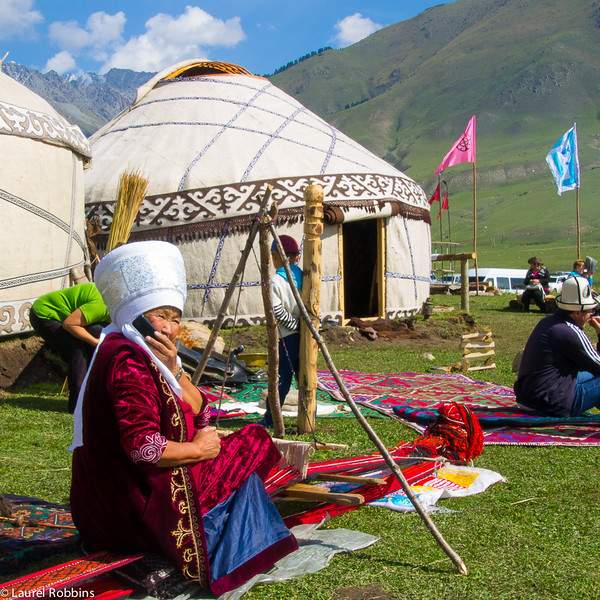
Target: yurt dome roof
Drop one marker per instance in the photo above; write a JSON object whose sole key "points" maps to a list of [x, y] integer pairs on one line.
{"points": [[210, 135]]}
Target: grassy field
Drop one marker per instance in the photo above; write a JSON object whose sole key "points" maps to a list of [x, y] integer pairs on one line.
{"points": [[534, 537]]}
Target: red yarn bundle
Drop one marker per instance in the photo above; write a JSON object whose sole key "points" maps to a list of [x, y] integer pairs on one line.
{"points": [[456, 435]]}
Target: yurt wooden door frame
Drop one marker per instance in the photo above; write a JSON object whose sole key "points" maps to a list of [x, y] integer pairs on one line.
{"points": [[362, 266]]}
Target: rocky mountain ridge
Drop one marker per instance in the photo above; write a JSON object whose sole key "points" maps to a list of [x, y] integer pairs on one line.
{"points": [[88, 101]]}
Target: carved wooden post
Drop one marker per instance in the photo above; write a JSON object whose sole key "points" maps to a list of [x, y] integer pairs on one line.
{"points": [[273, 342], [464, 285], [311, 297]]}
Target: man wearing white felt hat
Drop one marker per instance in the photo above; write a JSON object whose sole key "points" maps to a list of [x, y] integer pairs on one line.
{"points": [[559, 373]]}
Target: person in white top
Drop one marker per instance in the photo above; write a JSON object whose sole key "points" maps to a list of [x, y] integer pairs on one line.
{"points": [[287, 314]]}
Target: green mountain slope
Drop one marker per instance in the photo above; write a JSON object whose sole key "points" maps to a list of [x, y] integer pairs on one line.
{"points": [[528, 69]]}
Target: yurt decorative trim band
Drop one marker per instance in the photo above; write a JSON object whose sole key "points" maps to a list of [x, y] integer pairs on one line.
{"points": [[14, 317], [24, 122], [27, 279], [349, 197]]}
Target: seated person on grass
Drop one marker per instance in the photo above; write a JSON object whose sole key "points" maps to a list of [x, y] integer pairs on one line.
{"points": [[536, 284], [559, 374]]}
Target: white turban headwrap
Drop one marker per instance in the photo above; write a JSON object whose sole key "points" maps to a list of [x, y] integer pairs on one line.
{"points": [[132, 280]]}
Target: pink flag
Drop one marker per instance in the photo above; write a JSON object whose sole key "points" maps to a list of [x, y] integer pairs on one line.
{"points": [[444, 206], [435, 197], [463, 150]]}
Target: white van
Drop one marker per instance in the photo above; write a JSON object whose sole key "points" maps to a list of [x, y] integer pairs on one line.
{"points": [[505, 280]]}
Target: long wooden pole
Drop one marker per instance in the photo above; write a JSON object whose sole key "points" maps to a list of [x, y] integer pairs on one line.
{"points": [[311, 297], [272, 336], [475, 227], [456, 559], [232, 286], [464, 286], [448, 211], [441, 220], [578, 228]]}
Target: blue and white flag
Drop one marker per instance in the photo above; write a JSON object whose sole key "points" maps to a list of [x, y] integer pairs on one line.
{"points": [[563, 161]]}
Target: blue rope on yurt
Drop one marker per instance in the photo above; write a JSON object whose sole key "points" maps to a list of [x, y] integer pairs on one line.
{"points": [[40, 212], [206, 286], [220, 132], [272, 137], [216, 262], [412, 259], [65, 279], [405, 276], [330, 151]]}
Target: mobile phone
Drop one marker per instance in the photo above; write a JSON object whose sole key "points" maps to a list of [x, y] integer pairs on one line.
{"points": [[144, 326]]}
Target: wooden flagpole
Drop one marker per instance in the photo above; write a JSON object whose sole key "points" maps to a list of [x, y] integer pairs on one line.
{"points": [[446, 195], [577, 218], [441, 219], [475, 228]]}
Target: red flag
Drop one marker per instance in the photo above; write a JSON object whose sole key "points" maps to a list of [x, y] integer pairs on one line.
{"points": [[435, 197], [463, 150], [444, 206]]}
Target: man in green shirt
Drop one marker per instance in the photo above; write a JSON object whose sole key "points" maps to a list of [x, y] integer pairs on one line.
{"points": [[70, 321]]}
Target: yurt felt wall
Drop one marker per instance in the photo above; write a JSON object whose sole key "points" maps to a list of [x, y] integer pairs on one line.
{"points": [[406, 261], [42, 200], [209, 137], [247, 305]]}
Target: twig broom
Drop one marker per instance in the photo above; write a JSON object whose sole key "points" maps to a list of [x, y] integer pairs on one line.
{"points": [[130, 193]]}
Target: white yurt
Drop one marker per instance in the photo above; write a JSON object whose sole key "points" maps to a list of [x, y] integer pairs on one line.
{"points": [[42, 198], [209, 137]]}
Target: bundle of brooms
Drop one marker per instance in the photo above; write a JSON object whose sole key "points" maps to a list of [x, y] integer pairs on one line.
{"points": [[130, 193]]}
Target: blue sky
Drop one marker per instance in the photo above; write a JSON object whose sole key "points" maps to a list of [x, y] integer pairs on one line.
{"points": [[149, 35]]}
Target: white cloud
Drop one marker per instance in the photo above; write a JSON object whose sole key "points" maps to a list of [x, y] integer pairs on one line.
{"points": [[354, 28], [170, 39], [101, 31], [17, 18], [63, 62]]}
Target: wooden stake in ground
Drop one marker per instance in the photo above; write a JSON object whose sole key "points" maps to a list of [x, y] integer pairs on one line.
{"points": [[311, 297], [456, 559], [272, 335], [233, 284], [130, 194]]}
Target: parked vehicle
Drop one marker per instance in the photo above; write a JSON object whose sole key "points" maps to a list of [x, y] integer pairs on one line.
{"points": [[556, 281], [451, 278], [506, 280]]}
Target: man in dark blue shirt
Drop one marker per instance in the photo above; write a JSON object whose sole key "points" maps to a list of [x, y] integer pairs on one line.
{"points": [[559, 373]]}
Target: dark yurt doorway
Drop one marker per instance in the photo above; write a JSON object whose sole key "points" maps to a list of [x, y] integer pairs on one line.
{"points": [[361, 268]]}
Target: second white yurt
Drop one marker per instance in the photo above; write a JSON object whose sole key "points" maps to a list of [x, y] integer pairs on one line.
{"points": [[42, 199], [209, 137]]}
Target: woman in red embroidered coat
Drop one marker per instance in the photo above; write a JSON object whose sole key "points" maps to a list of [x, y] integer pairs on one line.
{"points": [[149, 474]]}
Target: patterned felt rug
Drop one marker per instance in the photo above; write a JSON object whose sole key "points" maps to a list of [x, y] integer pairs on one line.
{"points": [[20, 545], [413, 398], [241, 402]]}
